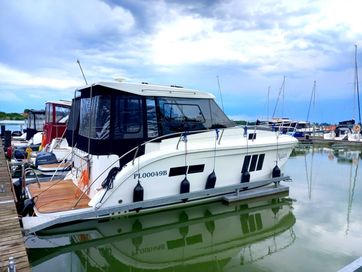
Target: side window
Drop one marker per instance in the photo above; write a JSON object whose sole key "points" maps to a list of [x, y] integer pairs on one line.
{"points": [[132, 112], [39, 121], [49, 113], [128, 119], [101, 118], [183, 112], [85, 116], [61, 114], [95, 117], [152, 128], [219, 119], [179, 114]]}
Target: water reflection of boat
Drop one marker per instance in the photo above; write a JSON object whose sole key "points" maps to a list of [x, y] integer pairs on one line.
{"points": [[196, 238]]}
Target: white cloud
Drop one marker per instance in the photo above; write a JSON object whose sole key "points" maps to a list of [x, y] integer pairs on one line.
{"points": [[39, 33], [250, 43], [276, 37], [8, 96], [9, 76]]}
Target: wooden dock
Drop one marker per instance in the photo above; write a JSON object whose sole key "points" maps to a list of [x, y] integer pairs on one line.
{"points": [[11, 237]]}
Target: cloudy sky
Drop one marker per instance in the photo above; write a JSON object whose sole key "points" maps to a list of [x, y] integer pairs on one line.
{"points": [[249, 45]]}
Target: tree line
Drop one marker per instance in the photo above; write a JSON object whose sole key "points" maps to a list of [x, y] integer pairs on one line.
{"points": [[13, 115]]}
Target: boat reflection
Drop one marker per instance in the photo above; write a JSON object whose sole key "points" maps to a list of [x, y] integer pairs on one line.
{"points": [[205, 237]]}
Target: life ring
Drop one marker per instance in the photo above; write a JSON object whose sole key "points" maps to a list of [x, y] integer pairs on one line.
{"points": [[357, 128]]}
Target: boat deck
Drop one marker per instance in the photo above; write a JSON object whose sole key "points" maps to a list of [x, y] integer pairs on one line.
{"points": [[55, 166], [57, 196]]}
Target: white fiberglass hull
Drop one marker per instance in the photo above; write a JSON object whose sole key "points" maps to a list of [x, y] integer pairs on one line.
{"points": [[160, 172], [166, 164]]}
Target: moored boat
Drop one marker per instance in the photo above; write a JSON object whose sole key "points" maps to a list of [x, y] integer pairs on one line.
{"points": [[141, 146]]}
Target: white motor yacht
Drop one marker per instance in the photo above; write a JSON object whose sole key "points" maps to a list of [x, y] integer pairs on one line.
{"points": [[142, 146]]}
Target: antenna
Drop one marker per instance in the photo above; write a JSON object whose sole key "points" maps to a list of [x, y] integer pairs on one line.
{"points": [[218, 84], [80, 67]]}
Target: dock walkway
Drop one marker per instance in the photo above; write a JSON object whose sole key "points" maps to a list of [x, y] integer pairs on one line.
{"points": [[11, 238]]}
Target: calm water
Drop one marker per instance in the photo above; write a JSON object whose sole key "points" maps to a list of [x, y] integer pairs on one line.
{"points": [[318, 227], [14, 125]]}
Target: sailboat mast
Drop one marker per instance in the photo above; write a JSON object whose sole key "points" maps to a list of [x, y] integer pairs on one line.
{"points": [[356, 82], [280, 91], [312, 98], [218, 84], [268, 103]]}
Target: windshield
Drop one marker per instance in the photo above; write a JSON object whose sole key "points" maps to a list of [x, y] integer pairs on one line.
{"points": [[61, 114]]}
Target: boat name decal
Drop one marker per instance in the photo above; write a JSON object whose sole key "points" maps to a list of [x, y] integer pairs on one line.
{"points": [[150, 174], [149, 249]]}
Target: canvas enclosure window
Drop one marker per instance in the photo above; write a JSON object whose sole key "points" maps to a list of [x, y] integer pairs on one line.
{"points": [[128, 118], [95, 117], [152, 127], [36, 120]]}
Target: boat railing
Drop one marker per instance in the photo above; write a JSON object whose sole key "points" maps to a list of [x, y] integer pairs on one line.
{"points": [[86, 160], [61, 163], [136, 150], [282, 127]]}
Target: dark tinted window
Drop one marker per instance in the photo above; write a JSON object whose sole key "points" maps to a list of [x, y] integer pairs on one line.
{"points": [[128, 118], [219, 119], [152, 127], [180, 114]]}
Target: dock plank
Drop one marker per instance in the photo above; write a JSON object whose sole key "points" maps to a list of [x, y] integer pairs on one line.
{"points": [[11, 238]]}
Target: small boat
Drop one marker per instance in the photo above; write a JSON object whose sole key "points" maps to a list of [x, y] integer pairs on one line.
{"points": [[341, 132], [54, 146], [32, 133], [295, 128], [47, 146], [141, 146]]}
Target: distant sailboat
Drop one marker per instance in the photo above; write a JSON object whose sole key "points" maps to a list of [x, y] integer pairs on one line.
{"points": [[355, 134], [348, 130]]}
